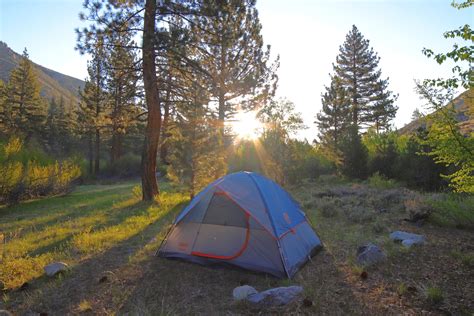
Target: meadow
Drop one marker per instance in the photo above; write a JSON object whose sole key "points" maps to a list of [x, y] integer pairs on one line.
{"points": [[109, 237]]}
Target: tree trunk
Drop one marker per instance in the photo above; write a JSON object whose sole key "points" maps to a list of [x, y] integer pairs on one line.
{"points": [[97, 152], [153, 126], [166, 134], [91, 153], [114, 147]]}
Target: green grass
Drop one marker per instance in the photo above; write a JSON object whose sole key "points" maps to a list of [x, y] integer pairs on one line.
{"points": [[465, 258], [453, 211], [434, 294], [378, 181], [91, 220]]}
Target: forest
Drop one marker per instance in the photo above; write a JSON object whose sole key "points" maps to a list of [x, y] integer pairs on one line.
{"points": [[182, 93]]}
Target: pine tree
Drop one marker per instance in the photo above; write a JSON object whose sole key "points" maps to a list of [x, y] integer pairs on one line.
{"points": [[194, 151], [354, 155], [3, 113], [95, 103], [357, 66], [383, 109], [24, 111], [231, 53], [58, 130], [334, 119], [122, 78]]}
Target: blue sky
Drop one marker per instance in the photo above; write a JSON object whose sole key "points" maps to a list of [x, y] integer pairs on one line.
{"points": [[305, 33]]}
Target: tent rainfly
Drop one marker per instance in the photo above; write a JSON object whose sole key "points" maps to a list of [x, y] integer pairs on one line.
{"points": [[246, 220]]}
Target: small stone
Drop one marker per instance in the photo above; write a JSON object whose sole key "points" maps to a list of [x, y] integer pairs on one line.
{"points": [[407, 239], [54, 268], [276, 297], [369, 254], [242, 292], [307, 302]]}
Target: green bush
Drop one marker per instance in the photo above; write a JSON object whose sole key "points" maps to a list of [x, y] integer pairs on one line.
{"points": [[454, 210], [126, 166], [24, 178], [378, 181]]}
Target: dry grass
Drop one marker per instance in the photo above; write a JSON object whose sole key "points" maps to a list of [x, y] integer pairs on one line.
{"points": [[109, 239]]}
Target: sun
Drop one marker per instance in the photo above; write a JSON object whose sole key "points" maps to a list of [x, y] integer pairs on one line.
{"points": [[246, 125]]}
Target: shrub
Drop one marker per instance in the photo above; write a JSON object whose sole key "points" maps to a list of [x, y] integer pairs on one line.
{"points": [[27, 178], [453, 211], [126, 166], [379, 181], [137, 192], [417, 209], [327, 207], [359, 214]]}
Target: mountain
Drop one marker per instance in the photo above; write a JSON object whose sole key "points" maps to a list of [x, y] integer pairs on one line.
{"points": [[462, 104], [53, 84]]}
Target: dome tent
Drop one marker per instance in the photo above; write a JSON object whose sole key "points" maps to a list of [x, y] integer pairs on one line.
{"points": [[246, 220]]}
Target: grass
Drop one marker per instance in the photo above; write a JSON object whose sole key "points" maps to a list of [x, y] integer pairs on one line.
{"points": [[108, 238], [465, 258], [453, 211], [379, 181], [89, 221], [434, 294]]}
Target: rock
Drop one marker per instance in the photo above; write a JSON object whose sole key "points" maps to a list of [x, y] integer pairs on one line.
{"points": [[407, 239], [369, 254], [54, 268], [242, 292], [277, 296], [307, 302]]}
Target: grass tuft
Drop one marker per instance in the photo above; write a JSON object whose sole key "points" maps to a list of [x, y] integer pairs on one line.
{"points": [[434, 295], [84, 306], [453, 211]]}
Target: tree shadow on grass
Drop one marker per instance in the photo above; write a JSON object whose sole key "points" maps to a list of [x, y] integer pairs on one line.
{"points": [[62, 295]]}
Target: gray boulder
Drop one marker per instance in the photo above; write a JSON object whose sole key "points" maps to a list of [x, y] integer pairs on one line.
{"points": [[369, 254], [242, 292], [54, 268], [407, 239], [277, 296]]}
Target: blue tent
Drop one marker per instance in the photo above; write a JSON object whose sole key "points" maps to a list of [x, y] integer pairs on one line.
{"points": [[246, 220]]}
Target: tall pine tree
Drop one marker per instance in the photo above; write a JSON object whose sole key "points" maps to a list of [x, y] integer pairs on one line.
{"points": [[95, 103], [231, 53], [23, 110], [357, 66], [334, 119]]}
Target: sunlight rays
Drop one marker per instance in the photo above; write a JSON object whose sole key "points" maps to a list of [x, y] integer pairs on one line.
{"points": [[246, 125]]}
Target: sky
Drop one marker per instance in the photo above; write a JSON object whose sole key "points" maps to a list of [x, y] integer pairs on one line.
{"points": [[305, 33]]}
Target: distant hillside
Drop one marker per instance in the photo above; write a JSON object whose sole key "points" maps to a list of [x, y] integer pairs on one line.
{"points": [[53, 83], [461, 105]]}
